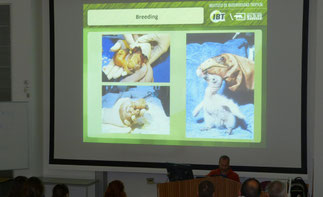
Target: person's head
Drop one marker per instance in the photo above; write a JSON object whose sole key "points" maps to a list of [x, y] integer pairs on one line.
{"points": [[115, 189], [251, 188], [276, 189], [60, 190], [33, 187], [206, 189], [224, 164], [17, 186]]}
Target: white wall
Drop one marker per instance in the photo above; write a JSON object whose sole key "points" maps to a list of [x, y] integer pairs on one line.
{"points": [[316, 92], [25, 62], [30, 55]]}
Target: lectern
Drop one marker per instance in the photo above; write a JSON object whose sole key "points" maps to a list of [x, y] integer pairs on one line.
{"points": [[223, 187]]}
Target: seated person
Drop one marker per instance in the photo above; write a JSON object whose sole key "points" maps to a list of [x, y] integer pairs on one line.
{"points": [[251, 188], [33, 187], [206, 189], [225, 170], [17, 186], [276, 189], [60, 190], [115, 189]]}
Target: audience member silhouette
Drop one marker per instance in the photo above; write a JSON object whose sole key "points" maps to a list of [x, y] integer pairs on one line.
{"points": [[17, 186], [115, 189], [60, 190], [276, 189], [251, 188], [33, 187]]}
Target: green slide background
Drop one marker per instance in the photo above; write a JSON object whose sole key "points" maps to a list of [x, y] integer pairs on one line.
{"points": [[92, 82]]}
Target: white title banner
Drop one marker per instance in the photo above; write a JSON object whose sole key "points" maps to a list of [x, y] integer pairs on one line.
{"points": [[155, 16]]}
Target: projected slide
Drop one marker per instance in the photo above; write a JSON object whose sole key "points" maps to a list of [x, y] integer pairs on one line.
{"points": [[170, 73], [220, 73], [125, 58], [131, 109]]}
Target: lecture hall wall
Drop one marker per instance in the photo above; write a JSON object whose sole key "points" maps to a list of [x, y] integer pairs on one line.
{"points": [[30, 61]]}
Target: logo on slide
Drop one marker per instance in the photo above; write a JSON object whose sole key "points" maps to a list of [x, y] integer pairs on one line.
{"points": [[217, 16], [254, 16], [239, 16]]}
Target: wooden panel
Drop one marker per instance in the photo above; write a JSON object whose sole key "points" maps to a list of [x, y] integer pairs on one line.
{"points": [[223, 187], [263, 194]]}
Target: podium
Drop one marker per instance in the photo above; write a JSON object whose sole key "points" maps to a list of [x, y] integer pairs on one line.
{"points": [[189, 188]]}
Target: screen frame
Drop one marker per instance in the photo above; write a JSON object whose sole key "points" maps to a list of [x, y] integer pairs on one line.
{"points": [[304, 69]]}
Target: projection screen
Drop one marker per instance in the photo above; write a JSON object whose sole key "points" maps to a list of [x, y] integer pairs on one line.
{"points": [[146, 83]]}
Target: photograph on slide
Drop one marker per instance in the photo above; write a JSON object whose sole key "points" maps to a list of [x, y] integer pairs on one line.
{"points": [[220, 69], [135, 110], [136, 58]]}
